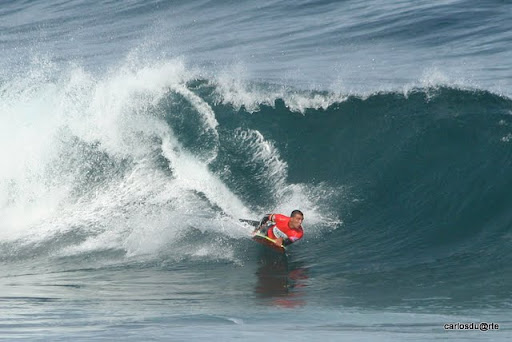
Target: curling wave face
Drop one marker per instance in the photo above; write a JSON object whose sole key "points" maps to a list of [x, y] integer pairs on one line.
{"points": [[158, 163]]}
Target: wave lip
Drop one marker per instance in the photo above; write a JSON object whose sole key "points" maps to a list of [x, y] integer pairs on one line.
{"points": [[408, 182]]}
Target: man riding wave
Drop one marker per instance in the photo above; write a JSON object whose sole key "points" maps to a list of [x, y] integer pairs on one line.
{"points": [[282, 229]]}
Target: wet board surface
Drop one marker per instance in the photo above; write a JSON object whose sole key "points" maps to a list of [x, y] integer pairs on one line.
{"points": [[265, 240]]}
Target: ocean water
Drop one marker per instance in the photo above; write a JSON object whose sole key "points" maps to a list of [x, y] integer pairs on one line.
{"points": [[135, 134]]}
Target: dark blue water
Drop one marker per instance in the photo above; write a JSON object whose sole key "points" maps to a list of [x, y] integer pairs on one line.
{"points": [[134, 135]]}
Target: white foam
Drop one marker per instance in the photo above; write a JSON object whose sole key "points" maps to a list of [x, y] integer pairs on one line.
{"points": [[262, 152], [39, 119], [232, 88], [139, 207], [236, 87], [192, 174]]}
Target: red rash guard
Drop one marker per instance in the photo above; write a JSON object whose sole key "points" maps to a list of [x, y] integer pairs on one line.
{"points": [[282, 230]]}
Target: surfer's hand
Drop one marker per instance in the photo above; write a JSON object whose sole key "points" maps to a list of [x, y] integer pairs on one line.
{"points": [[279, 241]]}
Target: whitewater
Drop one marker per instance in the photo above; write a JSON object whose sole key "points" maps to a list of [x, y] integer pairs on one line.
{"points": [[134, 136]]}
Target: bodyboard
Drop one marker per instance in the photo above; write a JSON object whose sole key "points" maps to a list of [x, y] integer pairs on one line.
{"points": [[265, 240]]}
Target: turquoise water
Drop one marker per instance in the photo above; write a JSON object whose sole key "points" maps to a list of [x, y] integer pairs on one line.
{"points": [[134, 135]]}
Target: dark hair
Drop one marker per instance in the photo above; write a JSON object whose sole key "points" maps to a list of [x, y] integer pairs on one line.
{"points": [[295, 212]]}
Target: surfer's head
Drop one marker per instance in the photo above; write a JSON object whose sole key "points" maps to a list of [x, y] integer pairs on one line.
{"points": [[296, 218]]}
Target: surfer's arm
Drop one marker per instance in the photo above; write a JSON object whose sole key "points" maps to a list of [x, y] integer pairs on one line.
{"points": [[279, 241], [264, 220], [292, 239]]}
